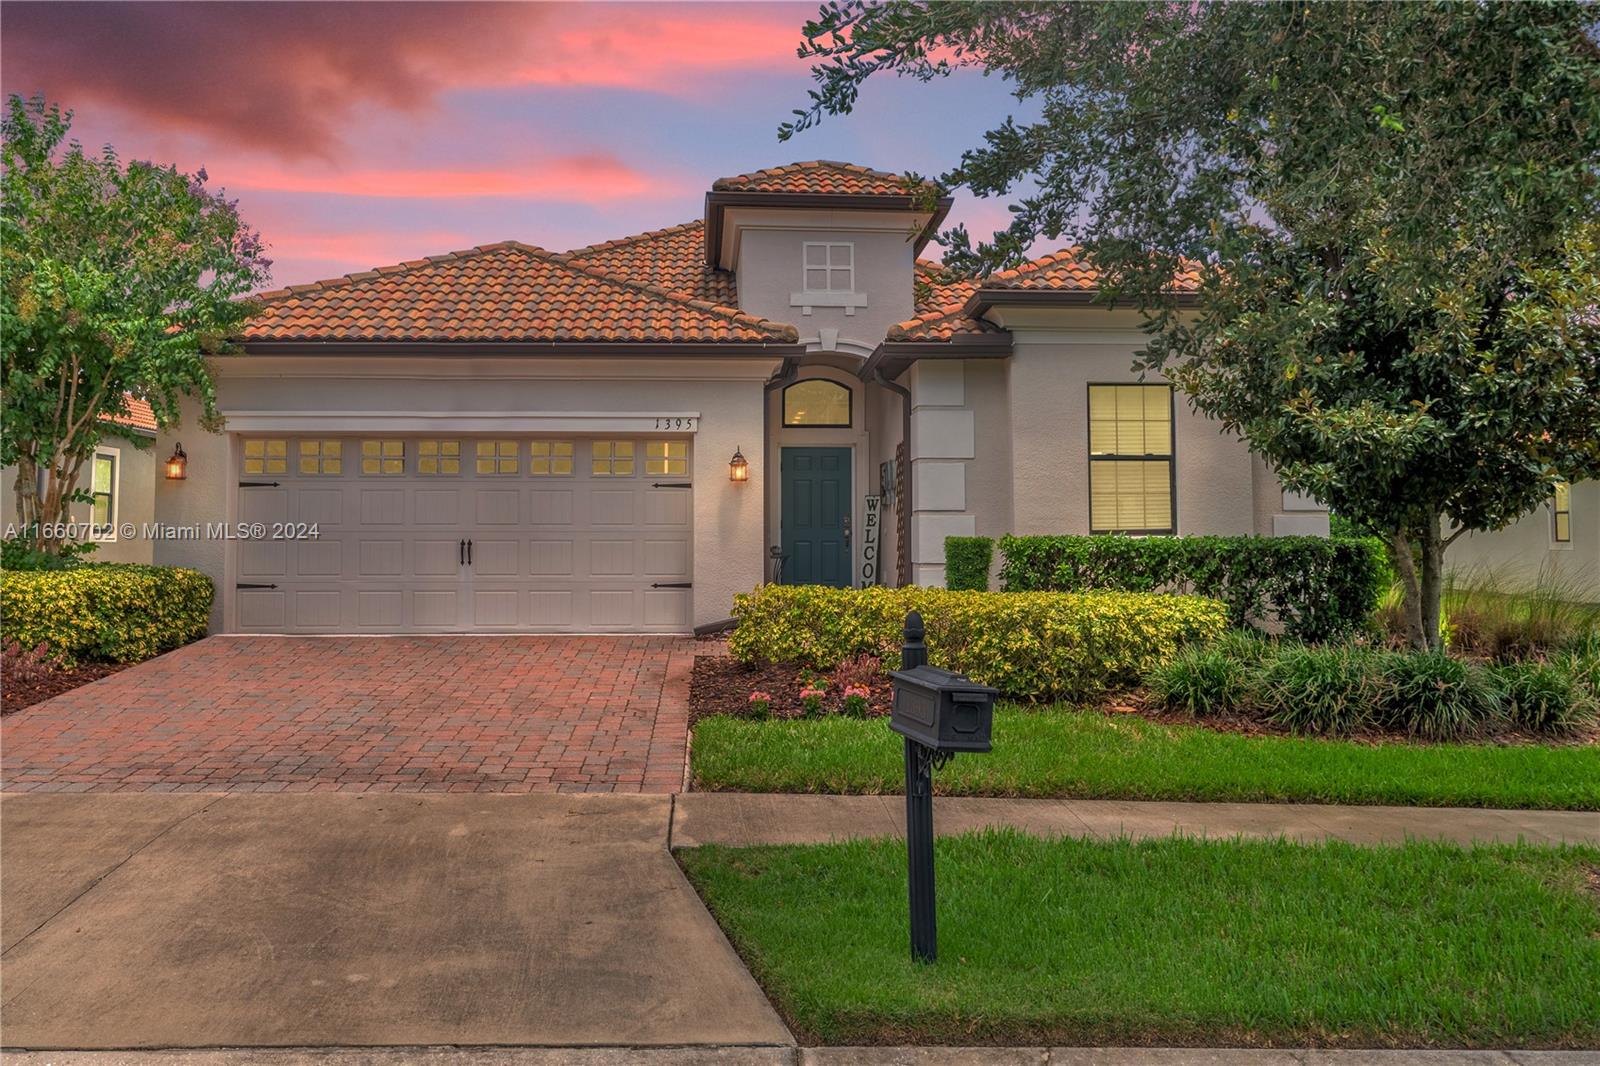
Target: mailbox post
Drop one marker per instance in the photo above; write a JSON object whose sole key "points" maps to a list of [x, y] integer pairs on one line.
{"points": [[938, 713]]}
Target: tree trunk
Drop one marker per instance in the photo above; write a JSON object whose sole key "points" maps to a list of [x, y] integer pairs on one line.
{"points": [[1411, 599], [1432, 582]]}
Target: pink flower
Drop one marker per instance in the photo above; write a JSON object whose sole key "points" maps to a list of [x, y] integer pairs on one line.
{"points": [[861, 691], [760, 697], [810, 693]]}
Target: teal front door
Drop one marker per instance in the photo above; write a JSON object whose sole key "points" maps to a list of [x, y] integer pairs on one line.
{"points": [[816, 516]]}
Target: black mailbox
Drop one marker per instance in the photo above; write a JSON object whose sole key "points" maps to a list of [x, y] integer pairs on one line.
{"points": [[942, 710]]}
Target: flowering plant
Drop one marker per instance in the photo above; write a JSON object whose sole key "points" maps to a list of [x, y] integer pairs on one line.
{"points": [[855, 700], [760, 706], [811, 698]]}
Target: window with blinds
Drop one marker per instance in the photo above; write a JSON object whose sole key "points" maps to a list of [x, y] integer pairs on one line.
{"points": [[1130, 459]]}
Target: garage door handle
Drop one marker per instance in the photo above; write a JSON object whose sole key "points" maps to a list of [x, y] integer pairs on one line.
{"points": [[672, 584], [461, 552], [469, 551], [672, 484], [252, 585], [258, 484]]}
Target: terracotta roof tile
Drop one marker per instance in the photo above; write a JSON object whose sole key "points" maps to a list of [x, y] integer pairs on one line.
{"points": [[818, 176], [673, 259], [939, 306], [139, 415], [501, 292]]}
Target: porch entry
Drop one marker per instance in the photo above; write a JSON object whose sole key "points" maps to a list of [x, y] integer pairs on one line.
{"points": [[815, 522]]}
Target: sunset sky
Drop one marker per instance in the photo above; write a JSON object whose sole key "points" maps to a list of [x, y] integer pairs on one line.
{"points": [[360, 134]]}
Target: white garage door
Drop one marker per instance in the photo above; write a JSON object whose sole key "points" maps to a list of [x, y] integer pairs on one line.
{"points": [[465, 534]]}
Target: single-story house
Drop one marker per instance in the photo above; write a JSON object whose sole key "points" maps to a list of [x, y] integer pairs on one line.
{"points": [[619, 438]]}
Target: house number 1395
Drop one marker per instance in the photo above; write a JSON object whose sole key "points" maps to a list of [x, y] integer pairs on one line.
{"points": [[686, 424]]}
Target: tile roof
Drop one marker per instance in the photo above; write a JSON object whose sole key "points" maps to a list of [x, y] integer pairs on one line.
{"points": [[500, 292], [940, 304], [673, 259], [139, 415], [818, 176]]}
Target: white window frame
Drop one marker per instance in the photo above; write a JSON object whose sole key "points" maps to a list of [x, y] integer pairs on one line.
{"points": [[806, 298], [110, 534]]}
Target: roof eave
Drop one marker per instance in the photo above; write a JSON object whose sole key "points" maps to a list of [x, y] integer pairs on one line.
{"points": [[556, 349], [717, 202], [891, 358], [984, 300]]}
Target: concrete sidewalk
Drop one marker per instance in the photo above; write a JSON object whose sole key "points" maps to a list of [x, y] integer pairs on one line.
{"points": [[147, 921], [835, 1056], [738, 819]]}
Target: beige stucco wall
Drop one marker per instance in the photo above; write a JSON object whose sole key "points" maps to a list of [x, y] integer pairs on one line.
{"points": [[1057, 354], [1517, 555], [134, 502], [449, 393]]}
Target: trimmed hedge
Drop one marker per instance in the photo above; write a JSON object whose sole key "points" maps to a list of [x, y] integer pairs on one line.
{"points": [[1316, 588], [966, 563], [1041, 645], [117, 612]]}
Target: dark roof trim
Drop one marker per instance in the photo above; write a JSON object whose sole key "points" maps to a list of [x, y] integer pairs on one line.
{"points": [[982, 299], [718, 202], [470, 349], [893, 357]]}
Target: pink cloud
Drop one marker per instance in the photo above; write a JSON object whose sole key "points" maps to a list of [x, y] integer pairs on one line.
{"points": [[589, 179]]}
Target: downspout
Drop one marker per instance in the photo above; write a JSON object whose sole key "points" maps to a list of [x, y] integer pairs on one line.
{"points": [[905, 435]]}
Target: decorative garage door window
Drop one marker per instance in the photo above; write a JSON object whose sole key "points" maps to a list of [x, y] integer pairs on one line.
{"points": [[383, 457], [321, 458], [1130, 459], [611, 458], [266, 456], [439, 457], [497, 457], [550, 458], [666, 457]]}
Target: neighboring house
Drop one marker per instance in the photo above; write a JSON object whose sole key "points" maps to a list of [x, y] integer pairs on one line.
{"points": [[122, 480], [621, 437]]}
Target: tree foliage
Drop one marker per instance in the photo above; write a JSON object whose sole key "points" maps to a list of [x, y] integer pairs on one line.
{"points": [[115, 279], [1390, 213]]}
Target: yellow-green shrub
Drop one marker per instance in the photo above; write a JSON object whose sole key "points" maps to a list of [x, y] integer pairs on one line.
{"points": [[1029, 645], [114, 612]]}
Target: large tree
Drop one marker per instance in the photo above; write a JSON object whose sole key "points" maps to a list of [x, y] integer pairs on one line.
{"points": [[114, 280], [1389, 209]]}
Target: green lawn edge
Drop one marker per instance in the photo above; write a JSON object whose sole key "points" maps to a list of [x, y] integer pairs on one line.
{"points": [[1171, 942], [1056, 753]]}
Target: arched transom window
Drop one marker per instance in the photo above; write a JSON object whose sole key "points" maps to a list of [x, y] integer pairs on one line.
{"points": [[817, 402]]}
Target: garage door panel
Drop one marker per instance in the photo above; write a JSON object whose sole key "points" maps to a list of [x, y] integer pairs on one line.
{"points": [[551, 549], [383, 507]]}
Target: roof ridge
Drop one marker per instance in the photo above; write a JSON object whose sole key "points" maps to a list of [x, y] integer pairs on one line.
{"points": [[623, 242], [723, 184], [688, 299], [402, 267]]}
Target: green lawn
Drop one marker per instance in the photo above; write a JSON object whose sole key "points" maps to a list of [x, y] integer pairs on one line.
{"points": [[1061, 752], [1171, 942]]}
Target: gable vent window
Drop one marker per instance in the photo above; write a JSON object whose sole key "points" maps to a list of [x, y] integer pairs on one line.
{"points": [[1130, 459], [440, 458], [321, 458], [830, 267], [383, 457], [266, 456]]}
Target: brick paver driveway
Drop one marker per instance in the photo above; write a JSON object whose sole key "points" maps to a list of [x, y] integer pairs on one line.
{"points": [[368, 714]]}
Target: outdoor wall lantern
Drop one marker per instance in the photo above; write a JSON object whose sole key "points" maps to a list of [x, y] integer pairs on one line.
{"points": [[178, 465], [738, 467]]}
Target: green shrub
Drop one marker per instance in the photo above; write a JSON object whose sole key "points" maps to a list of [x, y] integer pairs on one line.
{"points": [[966, 563], [1498, 619], [1316, 588], [1028, 645], [1432, 695], [116, 612], [1333, 690], [17, 553], [1201, 681], [1545, 697]]}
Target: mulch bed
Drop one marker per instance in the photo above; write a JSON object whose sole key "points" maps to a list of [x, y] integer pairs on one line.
{"points": [[17, 694], [722, 685]]}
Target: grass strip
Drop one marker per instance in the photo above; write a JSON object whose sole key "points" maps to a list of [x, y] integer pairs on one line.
{"points": [[1059, 752], [1173, 941]]}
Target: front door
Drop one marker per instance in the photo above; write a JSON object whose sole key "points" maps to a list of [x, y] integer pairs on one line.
{"points": [[816, 516]]}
